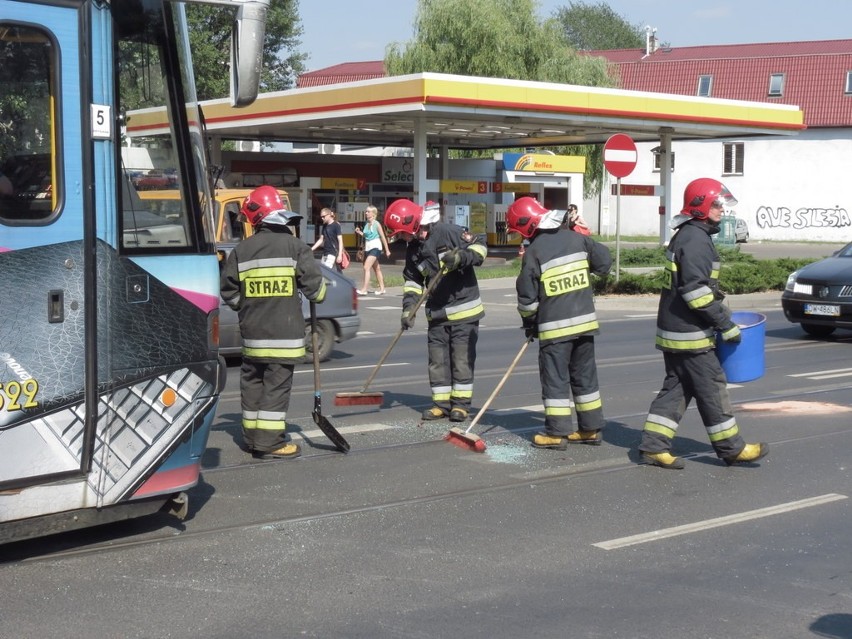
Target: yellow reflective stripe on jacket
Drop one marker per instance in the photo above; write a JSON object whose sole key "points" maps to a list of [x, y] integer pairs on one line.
{"points": [[669, 270], [410, 286], [267, 271], [699, 298], [463, 311], [479, 249], [567, 327], [268, 263], [274, 348], [321, 295], [685, 341], [274, 353], [528, 309]]}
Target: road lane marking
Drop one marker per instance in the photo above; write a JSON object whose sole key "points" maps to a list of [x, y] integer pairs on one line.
{"points": [[818, 377], [829, 374], [518, 409], [363, 428], [349, 368], [716, 522]]}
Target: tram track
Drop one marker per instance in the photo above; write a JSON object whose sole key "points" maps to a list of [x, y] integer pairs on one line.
{"points": [[41, 551]]}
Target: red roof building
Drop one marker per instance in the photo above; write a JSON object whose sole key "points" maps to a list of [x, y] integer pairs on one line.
{"points": [[812, 75], [346, 72]]}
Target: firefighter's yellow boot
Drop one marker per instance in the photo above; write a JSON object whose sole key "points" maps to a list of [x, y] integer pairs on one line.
{"points": [[751, 453], [590, 437], [436, 412], [553, 442], [287, 451], [663, 460], [458, 414]]}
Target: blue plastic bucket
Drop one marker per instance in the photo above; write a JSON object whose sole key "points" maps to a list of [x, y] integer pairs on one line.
{"points": [[745, 361]]}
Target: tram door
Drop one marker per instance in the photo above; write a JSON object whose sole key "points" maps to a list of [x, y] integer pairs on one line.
{"points": [[43, 298]]}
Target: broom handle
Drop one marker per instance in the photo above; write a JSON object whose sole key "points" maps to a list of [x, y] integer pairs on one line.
{"points": [[499, 385], [396, 337]]}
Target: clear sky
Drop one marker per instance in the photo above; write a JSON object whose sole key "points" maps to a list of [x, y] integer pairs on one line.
{"points": [[357, 30]]}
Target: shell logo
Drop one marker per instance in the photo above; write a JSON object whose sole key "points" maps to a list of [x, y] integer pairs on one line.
{"points": [[525, 162]]}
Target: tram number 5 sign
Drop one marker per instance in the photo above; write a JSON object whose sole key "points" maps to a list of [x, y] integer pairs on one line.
{"points": [[620, 155]]}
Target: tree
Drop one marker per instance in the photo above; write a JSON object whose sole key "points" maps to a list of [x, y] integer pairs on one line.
{"points": [[492, 38], [209, 36], [596, 26], [498, 39]]}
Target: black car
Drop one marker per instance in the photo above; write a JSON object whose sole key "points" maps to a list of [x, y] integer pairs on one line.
{"points": [[819, 296]]}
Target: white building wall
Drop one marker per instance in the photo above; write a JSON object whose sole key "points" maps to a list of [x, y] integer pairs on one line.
{"points": [[796, 188]]}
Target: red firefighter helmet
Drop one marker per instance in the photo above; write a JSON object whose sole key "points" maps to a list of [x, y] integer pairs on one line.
{"points": [[261, 203], [524, 216], [703, 193], [403, 216]]}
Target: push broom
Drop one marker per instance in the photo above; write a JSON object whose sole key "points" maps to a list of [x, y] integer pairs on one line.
{"points": [[470, 441], [362, 397]]}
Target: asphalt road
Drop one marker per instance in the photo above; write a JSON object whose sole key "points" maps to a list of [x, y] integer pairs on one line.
{"points": [[409, 536]]}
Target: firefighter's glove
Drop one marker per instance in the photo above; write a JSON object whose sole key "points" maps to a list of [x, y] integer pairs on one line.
{"points": [[732, 335], [530, 329], [452, 260], [407, 322]]}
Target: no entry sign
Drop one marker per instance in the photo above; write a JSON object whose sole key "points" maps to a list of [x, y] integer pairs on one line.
{"points": [[620, 155]]}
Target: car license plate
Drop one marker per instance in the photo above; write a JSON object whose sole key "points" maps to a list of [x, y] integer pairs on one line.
{"points": [[822, 309]]}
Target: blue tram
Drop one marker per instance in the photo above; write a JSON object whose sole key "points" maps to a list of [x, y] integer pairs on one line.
{"points": [[109, 370]]}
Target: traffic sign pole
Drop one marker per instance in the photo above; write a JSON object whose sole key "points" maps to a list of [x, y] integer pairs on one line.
{"points": [[617, 229], [620, 157]]}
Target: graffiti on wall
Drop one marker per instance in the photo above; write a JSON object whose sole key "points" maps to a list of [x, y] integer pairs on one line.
{"points": [[803, 218]]}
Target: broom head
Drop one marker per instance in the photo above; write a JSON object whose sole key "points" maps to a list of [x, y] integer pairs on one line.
{"points": [[359, 399], [468, 441]]}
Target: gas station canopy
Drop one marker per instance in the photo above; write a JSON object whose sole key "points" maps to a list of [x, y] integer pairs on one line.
{"points": [[464, 112], [437, 111]]}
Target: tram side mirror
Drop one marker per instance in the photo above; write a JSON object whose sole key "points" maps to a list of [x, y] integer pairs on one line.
{"points": [[247, 51]]}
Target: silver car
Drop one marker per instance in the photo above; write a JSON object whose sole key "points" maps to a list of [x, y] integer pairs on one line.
{"points": [[741, 230], [337, 318]]}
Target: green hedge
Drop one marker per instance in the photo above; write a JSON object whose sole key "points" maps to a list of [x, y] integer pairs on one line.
{"points": [[741, 272]]}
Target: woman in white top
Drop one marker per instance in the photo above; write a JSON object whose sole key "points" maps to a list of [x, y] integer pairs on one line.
{"points": [[374, 242]]}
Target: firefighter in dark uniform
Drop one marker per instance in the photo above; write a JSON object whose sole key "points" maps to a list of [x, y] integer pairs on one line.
{"points": [[690, 314], [556, 304], [454, 308], [261, 281]]}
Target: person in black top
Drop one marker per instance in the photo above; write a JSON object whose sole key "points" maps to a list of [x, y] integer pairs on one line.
{"points": [[331, 241]]}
